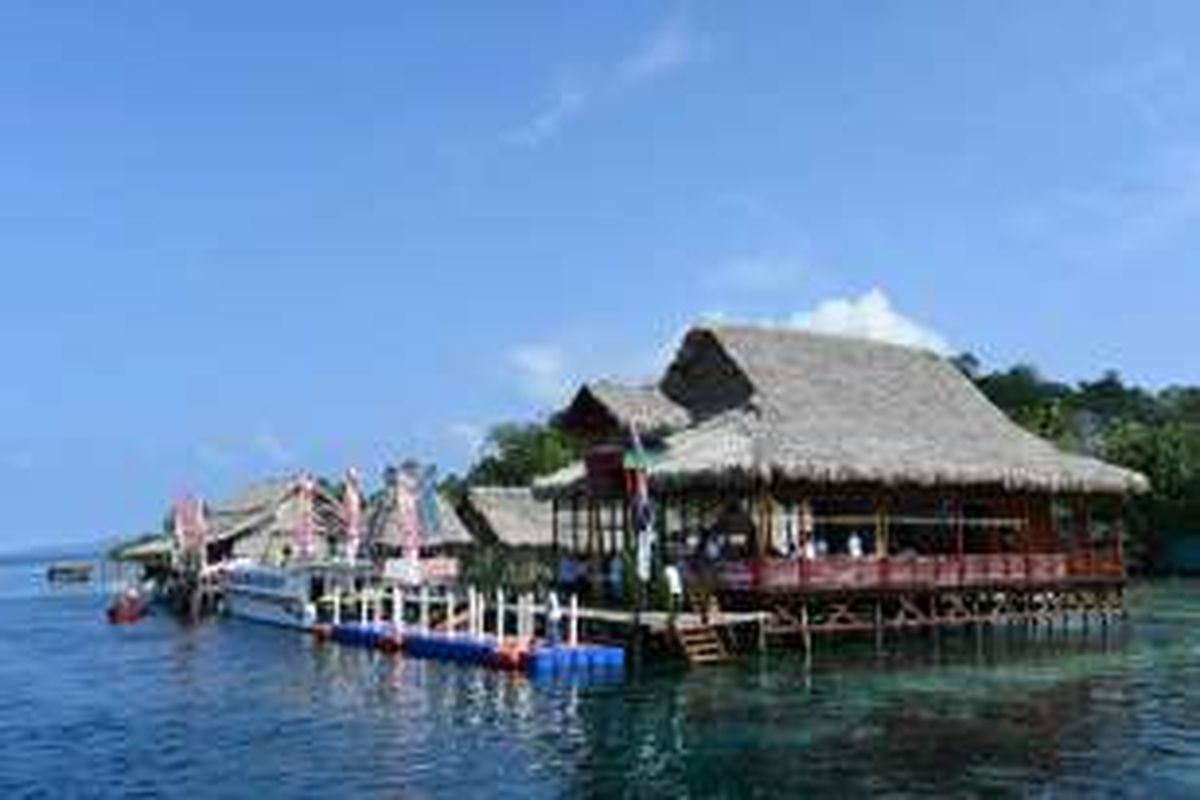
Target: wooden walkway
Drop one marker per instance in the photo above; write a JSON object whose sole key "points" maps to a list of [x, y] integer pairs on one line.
{"points": [[660, 621]]}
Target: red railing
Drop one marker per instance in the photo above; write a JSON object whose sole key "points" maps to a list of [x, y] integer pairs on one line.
{"points": [[947, 571]]}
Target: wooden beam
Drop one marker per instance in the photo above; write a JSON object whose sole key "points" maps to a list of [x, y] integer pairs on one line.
{"points": [[881, 526]]}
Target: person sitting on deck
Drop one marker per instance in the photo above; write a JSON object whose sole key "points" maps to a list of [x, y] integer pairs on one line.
{"points": [[674, 591], [854, 545], [616, 579]]}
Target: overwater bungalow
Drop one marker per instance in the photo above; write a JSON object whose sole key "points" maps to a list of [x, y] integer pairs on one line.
{"points": [[841, 484]]}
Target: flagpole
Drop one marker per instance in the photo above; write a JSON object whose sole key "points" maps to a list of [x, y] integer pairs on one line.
{"points": [[643, 518]]}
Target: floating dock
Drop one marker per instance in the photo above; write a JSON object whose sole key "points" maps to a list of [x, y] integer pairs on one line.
{"points": [[534, 658]]}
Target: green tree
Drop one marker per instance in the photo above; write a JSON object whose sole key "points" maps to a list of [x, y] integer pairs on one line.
{"points": [[1169, 456], [515, 454]]}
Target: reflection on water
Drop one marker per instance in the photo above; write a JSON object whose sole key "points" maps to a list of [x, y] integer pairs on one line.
{"points": [[230, 709]]}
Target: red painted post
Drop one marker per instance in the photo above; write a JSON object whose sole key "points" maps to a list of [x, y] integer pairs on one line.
{"points": [[1119, 537], [958, 539]]}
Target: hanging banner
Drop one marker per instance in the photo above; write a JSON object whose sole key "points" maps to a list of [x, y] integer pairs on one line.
{"points": [[643, 507], [352, 513], [305, 489], [406, 511], [428, 504]]}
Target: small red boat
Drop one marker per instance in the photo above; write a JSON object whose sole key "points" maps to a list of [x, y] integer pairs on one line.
{"points": [[127, 607]]}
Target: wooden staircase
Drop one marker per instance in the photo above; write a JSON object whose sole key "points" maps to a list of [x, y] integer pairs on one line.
{"points": [[701, 644]]}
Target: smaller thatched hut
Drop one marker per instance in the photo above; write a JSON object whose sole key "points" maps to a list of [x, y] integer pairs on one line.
{"points": [[513, 534]]}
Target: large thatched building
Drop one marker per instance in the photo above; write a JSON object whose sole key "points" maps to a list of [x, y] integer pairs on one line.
{"points": [[799, 463]]}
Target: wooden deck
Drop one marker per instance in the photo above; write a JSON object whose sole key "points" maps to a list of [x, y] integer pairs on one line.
{"points": [[843, 574], [660, 621]]}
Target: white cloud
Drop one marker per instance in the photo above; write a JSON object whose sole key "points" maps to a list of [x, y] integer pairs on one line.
{"points": [[273, 448], [870, 316], [470, 435], [754, 275], [541, 372], [671, 47], [547, 123]]}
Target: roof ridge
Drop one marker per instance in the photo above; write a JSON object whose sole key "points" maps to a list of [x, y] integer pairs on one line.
{"points": [[796, 331]]}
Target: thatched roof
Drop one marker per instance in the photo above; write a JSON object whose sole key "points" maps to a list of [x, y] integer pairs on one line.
{"points": [[451, 531], [782, 404], [148, 550], [610, 404], [511, 516], [253, 509]]}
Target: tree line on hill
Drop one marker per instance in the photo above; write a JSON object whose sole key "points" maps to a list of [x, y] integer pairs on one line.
{"points": [[1156, 433]]}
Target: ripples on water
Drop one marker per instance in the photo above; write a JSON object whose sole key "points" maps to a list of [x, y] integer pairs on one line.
{"points": [[227, 709]]}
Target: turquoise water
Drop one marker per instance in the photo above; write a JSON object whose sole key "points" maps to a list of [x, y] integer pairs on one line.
{"points": [[227, 709]]}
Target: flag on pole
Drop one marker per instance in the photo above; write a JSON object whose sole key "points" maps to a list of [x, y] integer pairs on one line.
{"points": [[428, 504], [191, 530], [643, 508], [352, 513], [304, 489], [407, 515]]}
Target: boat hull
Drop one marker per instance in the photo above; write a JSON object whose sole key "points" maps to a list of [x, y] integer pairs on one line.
{"points": [[287, 612], [271, 595]]}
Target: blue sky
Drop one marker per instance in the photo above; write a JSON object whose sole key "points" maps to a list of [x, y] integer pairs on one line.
{"points": [[240, 238]]}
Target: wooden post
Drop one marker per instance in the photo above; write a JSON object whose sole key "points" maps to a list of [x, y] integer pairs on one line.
{"points": [[575, 523], [573, 623], [1088, 534], [959, 539], [554, 527], [806, 634], [1119, 536], [1079, 523], [762, 502], [878, 628], [337, 605], [881, 528], [1027, 536], [625, 523], [500, 617], [449, 624]]}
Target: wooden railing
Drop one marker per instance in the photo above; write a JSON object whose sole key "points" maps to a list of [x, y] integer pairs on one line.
{"points": [[946, 571]]}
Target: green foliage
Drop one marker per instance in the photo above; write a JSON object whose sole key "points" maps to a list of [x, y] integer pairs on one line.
{"points": [[489, 568], [629, 579], [1157, 434], [515, 454]]}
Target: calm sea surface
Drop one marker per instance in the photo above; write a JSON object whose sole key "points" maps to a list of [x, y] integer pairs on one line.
{"points": [[227, 709]]}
